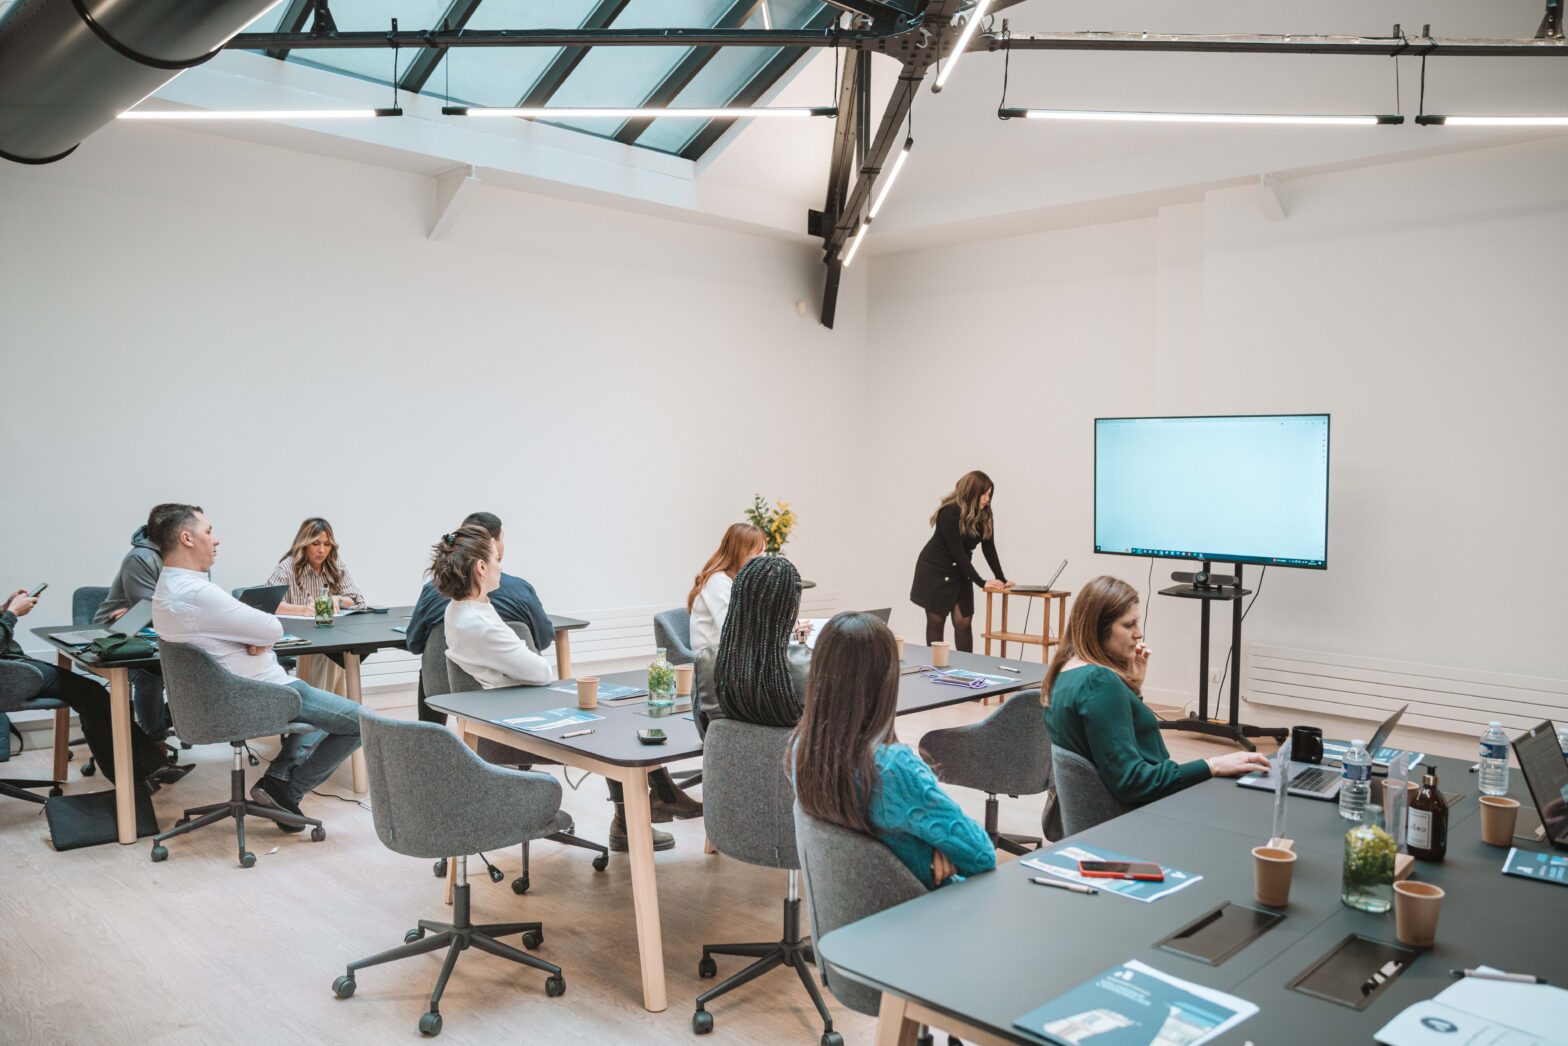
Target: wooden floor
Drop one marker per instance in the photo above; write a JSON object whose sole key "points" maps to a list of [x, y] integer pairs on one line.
{"points": [[102, 945]]}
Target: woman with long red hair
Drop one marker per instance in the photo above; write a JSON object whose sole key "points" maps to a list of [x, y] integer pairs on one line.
{"points": [[709, 599]]}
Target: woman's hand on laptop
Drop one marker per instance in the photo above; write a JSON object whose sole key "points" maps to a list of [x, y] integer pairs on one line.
{"points": [[1237, 764]]}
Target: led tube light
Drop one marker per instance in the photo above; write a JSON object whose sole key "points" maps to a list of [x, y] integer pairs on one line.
{"points": [[1492, 121], [1007, 113], [976, 16], [640, 112], [854, 245], [257, 114], [892, 176]]}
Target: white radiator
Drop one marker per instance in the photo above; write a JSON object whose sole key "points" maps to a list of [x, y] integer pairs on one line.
{"points": [[1452, 700]]}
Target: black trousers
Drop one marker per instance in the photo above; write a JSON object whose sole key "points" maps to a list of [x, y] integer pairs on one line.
{"points": [[426, 713], [90, 702]]}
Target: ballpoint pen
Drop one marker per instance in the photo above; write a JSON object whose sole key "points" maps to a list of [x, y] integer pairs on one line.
{"points": [[574, 733], [1008, 668], [1074, 887], [1498, 975]]}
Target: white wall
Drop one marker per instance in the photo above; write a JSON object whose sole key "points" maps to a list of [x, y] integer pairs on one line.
{"points": [[1414, 301], [270, 334]]}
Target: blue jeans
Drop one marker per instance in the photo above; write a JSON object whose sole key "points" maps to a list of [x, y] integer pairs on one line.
{"points": [[306, 760]]}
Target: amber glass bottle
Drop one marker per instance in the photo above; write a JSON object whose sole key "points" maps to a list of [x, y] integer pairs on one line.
{"points": [[1426, 828]]}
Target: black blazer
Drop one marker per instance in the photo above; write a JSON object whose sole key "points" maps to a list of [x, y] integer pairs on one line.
{"points": [[944, 572]]}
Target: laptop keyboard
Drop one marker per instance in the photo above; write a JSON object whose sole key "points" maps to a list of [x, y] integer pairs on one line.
{"points": [[1313, 780], [81, 638]]}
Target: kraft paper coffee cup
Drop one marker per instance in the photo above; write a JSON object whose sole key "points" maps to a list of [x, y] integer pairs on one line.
{"points": [[938, 655], [587, 691], [1271, 872], [900, 641], [1415, 912], [683, 679], [1499, 814]]}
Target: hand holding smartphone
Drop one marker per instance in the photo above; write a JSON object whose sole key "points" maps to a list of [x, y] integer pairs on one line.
{"points": [[1143, 870]]}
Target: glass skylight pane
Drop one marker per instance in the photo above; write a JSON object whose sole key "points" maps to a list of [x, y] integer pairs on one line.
{"points": [[500, 76], [266, 22], [625, 76], [372, 63]]}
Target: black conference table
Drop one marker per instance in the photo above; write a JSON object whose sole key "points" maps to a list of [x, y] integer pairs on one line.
{"points": [[352, 637], [614, 751], [973, 957]]}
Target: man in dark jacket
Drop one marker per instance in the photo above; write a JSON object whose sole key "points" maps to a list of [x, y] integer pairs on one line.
{"points": [[135, 582]]}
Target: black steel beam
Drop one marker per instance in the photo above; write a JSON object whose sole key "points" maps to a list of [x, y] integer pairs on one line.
{"points": [[684, 71], [565, 63], [847, 134], [425, 62], [881, 15], [609, 37], [293, 21], [1244, 43]]}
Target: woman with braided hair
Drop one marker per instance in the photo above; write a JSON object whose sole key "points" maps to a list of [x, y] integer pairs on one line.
{"points": [[756, 674]]}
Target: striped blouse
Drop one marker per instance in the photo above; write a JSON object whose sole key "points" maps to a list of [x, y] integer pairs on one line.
{"points": [[306, 590]]}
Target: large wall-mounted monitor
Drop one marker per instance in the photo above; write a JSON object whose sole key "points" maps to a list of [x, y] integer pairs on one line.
{"points": [[1235, 489]]}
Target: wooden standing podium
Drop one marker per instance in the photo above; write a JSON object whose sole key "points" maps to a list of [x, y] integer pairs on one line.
{"points": [[1045, 639]]}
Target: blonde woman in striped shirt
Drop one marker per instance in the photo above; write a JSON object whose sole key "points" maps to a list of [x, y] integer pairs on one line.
{"points": [[309, 568]]}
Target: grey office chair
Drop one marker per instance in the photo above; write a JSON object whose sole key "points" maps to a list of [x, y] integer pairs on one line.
{"points": [[19, 687], [431, 797], [1082, 796], [672, 631], [452, 679], [748, 804], [211, 704], [1007, 753]]}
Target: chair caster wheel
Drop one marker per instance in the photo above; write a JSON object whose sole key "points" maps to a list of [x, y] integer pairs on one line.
{"points": [[702, 1022], [414, 935], [439, 869], [56, 790], [159, 852], [89, 769], [317, 834], [344, 986], [925, 1040], [533, 939], [832, 1038], [520, 885], [247, 859], [707, 969], [555, 986], [496, 875], [601, 862], [430, 1024], [953, 1040]]}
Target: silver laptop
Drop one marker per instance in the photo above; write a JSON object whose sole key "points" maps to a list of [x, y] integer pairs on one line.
{"points": [[128, 624], [1045, 587], [1320, 782]]}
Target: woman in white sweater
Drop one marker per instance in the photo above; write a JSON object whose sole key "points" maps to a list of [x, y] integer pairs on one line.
{"points": [[709, 600]]}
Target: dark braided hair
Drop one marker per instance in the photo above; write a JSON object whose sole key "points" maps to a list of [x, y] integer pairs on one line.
{"points": [[454, 557], [751, 675]]}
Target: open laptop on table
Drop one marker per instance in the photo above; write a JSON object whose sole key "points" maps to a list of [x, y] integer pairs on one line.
{"points": [[1045, 587], [1546, 773], [817, 622], [1313, 781], [129, 623], [265, 598]]}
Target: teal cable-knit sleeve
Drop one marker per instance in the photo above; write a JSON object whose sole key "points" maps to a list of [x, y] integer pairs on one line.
{"points": [[915, 816]]}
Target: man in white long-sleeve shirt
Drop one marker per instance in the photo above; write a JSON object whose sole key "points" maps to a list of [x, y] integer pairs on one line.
{"points": [[189, 608]]}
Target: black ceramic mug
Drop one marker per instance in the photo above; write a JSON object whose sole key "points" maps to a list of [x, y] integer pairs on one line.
{"points": [[1306, 744]]}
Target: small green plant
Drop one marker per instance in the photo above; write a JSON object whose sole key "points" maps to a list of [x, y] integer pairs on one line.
{"points": [[775, 522]]}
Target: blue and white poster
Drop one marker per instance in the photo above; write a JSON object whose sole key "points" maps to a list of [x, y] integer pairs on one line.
{"points": [[1137, 1005]]}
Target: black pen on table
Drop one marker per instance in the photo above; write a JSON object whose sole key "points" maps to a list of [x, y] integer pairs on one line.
{"points": [[574, 733]]}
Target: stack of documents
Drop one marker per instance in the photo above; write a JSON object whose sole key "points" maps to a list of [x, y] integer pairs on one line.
{"points": [[1475, 1010]]}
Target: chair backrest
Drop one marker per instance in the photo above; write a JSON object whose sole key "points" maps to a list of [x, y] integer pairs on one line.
{"points": [[433, 671], [460, 682], [747, 797], [85, 602], [19, 684], [672, 631], [1082, 796], [210, 704], [431, 797], [1007, 753], [848, 877]]}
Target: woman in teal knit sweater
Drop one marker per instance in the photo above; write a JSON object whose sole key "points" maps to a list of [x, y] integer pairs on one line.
{"points": [[1094, 704], [850, 769]]}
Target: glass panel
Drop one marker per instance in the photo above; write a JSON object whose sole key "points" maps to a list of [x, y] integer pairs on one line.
{"points": [[500, 76], [266, 22], [372, 63], [625, 76]]}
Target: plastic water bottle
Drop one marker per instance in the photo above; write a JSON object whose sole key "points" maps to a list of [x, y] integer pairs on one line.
{"points": [[1356, 790], [1494, 760]]}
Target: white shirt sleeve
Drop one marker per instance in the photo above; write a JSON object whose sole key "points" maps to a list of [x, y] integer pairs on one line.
{"points": [[507, 653], [708, 611], [224, 617]]}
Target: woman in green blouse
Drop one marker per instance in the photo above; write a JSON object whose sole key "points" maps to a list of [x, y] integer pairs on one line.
{"points": [[1094, 704]]}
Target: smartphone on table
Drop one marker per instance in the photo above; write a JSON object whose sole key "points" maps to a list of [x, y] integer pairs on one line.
{"points": [[1142, 870]]}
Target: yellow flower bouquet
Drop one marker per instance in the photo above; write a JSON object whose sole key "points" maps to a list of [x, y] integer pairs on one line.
{"points": [[775, 522]]}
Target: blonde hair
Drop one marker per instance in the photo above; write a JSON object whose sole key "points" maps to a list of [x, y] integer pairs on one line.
{"points": [[973, 521], [740, 543], [1098, 605], [308, 532]]}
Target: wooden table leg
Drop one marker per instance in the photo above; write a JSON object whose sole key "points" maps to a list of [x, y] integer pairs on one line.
{"points": [[645, 888], [357, 760], [563, 653], [124, 771], [62, 729], [893, 1027]]}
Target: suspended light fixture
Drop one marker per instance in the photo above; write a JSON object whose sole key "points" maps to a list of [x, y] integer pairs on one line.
{"points": [[854, 244], [640, 112], [257, 114], [1091, 115], [976, 16], [892, 176], [767, 15], [1492, 121]]}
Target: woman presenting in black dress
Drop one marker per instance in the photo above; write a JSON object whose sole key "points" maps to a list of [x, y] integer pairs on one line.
{"points": [[944, 572]]}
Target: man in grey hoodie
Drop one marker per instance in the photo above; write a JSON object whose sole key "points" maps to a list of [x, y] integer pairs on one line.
{"points": [[135, 582]]}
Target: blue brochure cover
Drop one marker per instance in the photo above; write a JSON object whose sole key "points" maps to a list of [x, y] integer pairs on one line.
{"points": [[551, 718], [1547, 867], [1062, 862], [1136, 1005]]}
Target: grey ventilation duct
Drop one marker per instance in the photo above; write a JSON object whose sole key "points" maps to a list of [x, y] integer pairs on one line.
{"points": [[67, 67]]}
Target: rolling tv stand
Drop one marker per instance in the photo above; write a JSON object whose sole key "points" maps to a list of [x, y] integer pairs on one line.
{"points": [[1199, 722]]}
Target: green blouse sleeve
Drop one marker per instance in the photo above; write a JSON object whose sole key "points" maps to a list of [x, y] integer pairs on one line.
{"points": [[1133, 775]]}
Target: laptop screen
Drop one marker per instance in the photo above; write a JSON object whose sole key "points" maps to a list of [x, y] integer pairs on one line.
{"points": [[1546, 772]]}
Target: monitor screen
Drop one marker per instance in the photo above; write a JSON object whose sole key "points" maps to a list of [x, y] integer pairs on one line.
{"points": [[1546, 774], [1239, 489]]}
